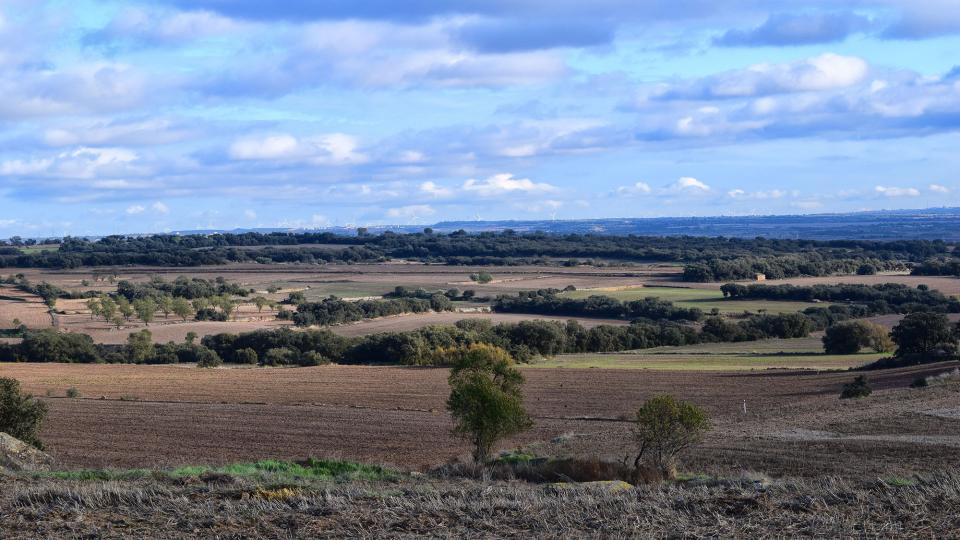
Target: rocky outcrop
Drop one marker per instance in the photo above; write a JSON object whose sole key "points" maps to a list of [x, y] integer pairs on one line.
{"points": [[17, 456]]}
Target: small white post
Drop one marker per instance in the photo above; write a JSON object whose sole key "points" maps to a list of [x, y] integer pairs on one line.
{"points": [[744, 406]]}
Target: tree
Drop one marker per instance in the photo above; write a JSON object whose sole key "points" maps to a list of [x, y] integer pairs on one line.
{"points": [[93, 305], [182, 308], [190, 337], [226, 304], [247, 356], [146, 309], [665, 427], [849, 337], [866, 269], [200, 304], [485, 398], [165, 304], [140, 346], [108, 308], [207, 358], [261, 303], [482, 277], [124, 307], [20, 414], [924, 333]]}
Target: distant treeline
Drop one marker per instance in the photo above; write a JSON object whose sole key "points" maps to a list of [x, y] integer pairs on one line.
{"points": [[937, 267], [526, 340], [182, 287], [877, 299], [549, 302], [336, 311], [707, 258]]}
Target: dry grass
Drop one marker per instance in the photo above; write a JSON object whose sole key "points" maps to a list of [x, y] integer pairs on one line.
{"points": [[824, 507]]}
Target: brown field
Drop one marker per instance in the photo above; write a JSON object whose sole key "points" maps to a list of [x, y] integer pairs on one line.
{"points": [[140, 416], [30, 309]]}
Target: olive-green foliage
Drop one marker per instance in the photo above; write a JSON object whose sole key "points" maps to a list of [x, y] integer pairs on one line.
{"points": [[924, 333], [849, 337], [857, 389], [665, 427], [485, 398], [140, 346], [20, 414]]}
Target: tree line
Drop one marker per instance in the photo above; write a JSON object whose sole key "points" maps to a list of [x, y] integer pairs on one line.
{"points": [[337, 311], [550, 302], [878, 299], [707, 258]]}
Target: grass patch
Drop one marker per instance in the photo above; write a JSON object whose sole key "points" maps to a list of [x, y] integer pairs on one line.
{"points": [[288, 471], [101, 475], [705, 299]]}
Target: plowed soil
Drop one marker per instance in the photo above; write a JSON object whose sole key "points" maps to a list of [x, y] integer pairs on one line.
{"points": [[140, 416]]}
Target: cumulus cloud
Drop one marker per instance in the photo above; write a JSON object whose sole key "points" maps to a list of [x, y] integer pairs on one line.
{"points": [[160, 208], [82, 163], [937, 188], [887, 191], [328, 149], [505, 183], [135, 209], [770, 194], [638, 188], [433, 190], [796, 29], [824, 72], [688, 185]]}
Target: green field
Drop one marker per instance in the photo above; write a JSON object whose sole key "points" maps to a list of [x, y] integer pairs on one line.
{"points": [[705, 299], [40, 247], [802, 353]]}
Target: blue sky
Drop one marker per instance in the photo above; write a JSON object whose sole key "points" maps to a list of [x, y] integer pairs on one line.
{"points": [[151, 116]]}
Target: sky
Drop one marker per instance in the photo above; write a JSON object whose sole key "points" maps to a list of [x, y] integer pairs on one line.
{"points": [[125, 117]]}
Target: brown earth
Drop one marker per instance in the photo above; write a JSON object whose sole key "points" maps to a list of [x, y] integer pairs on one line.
{"points": [[29, 308], [137, 416]]}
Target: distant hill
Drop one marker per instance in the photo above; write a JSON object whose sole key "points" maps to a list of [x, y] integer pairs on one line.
{"points": [[930, 224]]}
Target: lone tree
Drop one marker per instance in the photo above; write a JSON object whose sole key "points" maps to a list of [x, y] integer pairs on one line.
{"points": [[20, 414], [924, 334], [485, 397], [850, 336], [665, 427]]}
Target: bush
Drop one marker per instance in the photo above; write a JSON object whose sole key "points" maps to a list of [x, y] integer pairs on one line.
{"points": [[246, 356], [857, 389], [485, 398], [73, 392], [312, 358], [280, 356], [20, 414], [849, 337], [207, 358], [919, 382], [665, 427]]}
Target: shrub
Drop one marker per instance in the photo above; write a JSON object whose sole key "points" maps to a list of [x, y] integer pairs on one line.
{"points": [[20, 414], [207, 358], [485, 398], [665, 427], [849, 337], [312, 358], [857, 389], [919, 382], [246, 356], [73, 392], [280, 356], [924, 333]]}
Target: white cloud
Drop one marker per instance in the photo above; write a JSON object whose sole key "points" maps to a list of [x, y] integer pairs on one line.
{"points": [[135, 209], [897, 191], [413, 211], [504, 183], [687, 185], [326, 149], [771, 194], [639, 188], [160, 208], [434, 190], [937, 188]]}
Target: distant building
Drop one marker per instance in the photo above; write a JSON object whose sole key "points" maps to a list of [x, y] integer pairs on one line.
{"points": [[760, 277]]}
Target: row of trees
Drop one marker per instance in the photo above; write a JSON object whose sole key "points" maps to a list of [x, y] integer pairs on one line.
{"points": [[337, 311], [721, 258], [878, 299], [118, 310], [550, 302]]}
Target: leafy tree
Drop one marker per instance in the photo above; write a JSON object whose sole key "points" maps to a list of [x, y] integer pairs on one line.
{"points": [[665, 427], [20, 414], [93, 305], [296, 298], [190, 337], [482, 277], [182, 308], [140, 346], [226, 304], [866, 269], [108, 308], [924, 333], [125, 308], [261, 303], [849, 337], [165, 304], [146, 309], [200, 304], [247, 356], [485, 398]]}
